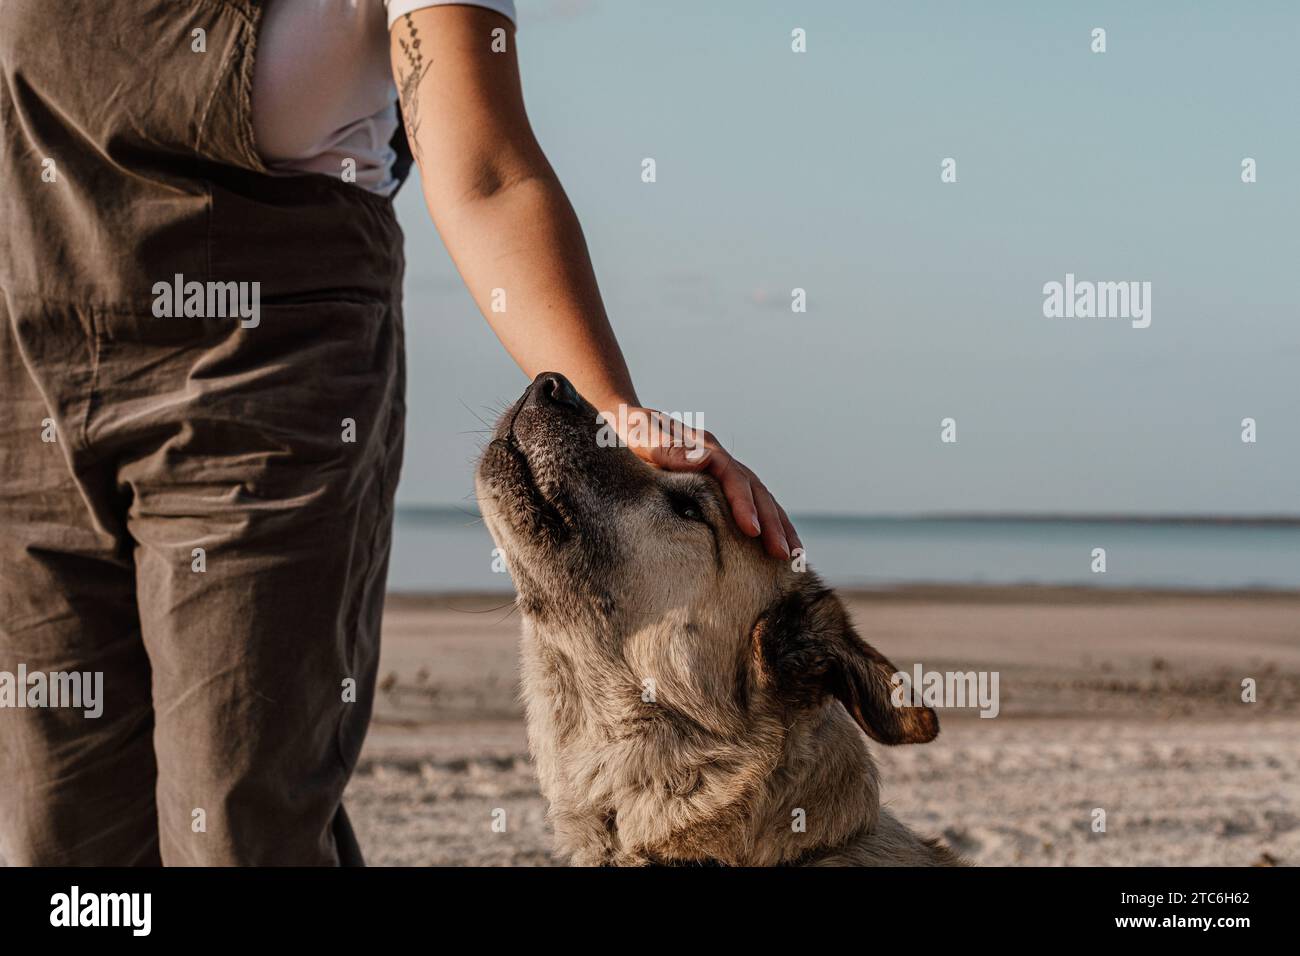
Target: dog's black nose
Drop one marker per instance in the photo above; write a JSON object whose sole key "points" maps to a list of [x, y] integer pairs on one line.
{"points": [[552, 388]]}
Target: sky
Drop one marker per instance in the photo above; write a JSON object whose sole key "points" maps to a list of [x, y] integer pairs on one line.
{"points": [[821, 170]]}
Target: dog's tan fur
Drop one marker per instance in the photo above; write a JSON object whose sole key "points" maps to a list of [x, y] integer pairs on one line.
{"points": [[689, 699]]}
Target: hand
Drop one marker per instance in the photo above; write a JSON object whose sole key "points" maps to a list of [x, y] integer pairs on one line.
{"points": [[677, 447]]}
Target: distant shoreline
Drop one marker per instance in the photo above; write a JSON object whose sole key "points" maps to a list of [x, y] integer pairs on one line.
{"points": [[471, 515], [919, 593], [1282, 521]]}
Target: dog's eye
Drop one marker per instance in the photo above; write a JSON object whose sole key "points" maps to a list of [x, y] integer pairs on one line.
{"points": [[685, 507]]}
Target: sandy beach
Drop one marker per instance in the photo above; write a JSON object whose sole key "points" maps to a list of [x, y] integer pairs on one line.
{"points": [[1125, 701]]}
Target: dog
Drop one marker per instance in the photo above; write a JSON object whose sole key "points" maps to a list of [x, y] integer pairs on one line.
{"points": [[690, 700]]}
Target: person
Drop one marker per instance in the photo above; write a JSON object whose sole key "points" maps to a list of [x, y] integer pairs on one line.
{"points": [[201, 354]]}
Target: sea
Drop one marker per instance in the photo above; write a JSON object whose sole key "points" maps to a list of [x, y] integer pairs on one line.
{"points": [[448, 549]]}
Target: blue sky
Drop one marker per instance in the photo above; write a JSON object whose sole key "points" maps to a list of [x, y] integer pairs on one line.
{"points": [[821, 171]]}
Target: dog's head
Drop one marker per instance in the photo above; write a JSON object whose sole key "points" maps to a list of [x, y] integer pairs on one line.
{"points": [[641, 575]]}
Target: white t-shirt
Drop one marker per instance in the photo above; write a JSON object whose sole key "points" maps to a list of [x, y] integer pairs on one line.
{"points": [[323, 86]]}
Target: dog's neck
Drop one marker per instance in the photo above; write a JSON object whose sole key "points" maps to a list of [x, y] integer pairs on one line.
{"points": [[637, 784]]}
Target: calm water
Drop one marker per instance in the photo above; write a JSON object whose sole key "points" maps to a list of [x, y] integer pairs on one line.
{"points": [[450, 550]]}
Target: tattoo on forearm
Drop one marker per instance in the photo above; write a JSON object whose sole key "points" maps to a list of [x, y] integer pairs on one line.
{"points": [[409, 76]]}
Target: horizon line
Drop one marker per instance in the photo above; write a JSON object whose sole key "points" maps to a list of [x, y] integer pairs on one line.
{"points": [[1028, 517]]}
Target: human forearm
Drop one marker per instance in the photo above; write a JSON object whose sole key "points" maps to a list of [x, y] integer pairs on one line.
{"points": [[514, 237], [496, 201], [521, 252]]}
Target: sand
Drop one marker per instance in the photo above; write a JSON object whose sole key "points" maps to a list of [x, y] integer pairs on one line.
{"points": [[1125, 701]]}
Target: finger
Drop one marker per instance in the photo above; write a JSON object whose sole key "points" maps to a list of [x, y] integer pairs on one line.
{"points": [[773, 531], [791, 535], [735, 485]]}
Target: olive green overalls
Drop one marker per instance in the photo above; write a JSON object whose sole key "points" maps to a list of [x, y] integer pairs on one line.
{"points": [[195, 506]]}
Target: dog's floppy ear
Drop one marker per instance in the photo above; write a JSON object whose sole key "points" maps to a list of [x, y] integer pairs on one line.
{"points": [[806, 648]]}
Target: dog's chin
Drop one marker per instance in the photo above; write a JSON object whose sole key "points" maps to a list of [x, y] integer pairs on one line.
{"points": [[512, 498]]}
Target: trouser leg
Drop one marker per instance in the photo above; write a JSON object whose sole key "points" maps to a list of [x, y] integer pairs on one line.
{"points": [[76, 783], [262, 520]]}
